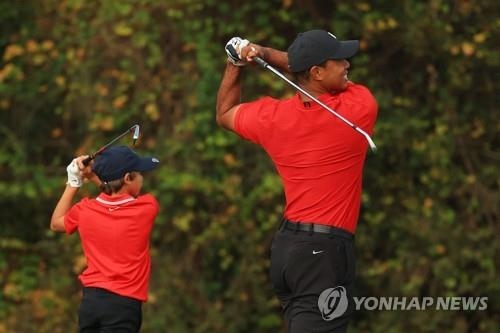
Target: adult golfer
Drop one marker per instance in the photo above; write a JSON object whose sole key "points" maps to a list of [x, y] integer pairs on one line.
{"points": [[114, 229], [320, 161]]}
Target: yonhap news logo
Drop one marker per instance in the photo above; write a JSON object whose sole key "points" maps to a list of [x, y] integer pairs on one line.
{"points": [[421, 303], [333, 303]]}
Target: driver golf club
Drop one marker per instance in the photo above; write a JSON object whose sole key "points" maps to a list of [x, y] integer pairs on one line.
{"points": [[135, 136], [264, 64]]}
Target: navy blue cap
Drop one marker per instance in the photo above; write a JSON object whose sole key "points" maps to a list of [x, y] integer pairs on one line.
{"points": [[313, 47], [114, 162]]}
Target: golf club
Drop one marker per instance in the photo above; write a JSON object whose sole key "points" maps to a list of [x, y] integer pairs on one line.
{"points": [[135, 136], [264, 64]]}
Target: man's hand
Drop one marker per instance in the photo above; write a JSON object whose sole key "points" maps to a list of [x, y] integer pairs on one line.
{"points": [[233, 49], [74, 174]]}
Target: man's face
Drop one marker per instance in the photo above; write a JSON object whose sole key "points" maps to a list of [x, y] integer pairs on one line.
{"points": [[334, 75]]}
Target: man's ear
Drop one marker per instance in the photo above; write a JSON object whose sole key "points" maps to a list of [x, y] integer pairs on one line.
{"points": [[315, 72]]}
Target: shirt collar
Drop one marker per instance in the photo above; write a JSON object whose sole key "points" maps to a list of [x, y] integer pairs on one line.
{"points": [[114, 200]]}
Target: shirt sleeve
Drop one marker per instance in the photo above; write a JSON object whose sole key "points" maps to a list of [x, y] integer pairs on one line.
{"points": [[72, 218], [359, 106], [149, 199], [254, 119]]}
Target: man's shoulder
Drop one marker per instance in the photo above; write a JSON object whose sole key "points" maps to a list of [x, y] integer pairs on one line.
{"points": [[360, 93], [262, 102], [358, 87], [262, 109]]}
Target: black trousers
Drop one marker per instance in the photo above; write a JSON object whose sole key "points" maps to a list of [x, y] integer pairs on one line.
{"points": [[312, 275], [102, 311]]}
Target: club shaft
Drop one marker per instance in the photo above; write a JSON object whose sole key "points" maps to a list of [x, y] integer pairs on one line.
{"points": [[134, 128], [266, 65]]}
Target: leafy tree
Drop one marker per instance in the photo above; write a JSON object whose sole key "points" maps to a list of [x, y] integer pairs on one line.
{"points": [[74, 73]]}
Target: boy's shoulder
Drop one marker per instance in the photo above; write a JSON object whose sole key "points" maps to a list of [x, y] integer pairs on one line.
{"points": [[148, 197]]}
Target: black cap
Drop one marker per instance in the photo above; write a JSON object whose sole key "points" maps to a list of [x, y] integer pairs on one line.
{"points": [[116, 161], [313, 47]]}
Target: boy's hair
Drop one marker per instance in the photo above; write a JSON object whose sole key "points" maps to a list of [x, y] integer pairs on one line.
{"points": [[116, 185]]}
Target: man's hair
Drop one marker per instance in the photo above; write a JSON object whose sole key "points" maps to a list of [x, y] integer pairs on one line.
{"points": [[115, 185], [303, 76]]}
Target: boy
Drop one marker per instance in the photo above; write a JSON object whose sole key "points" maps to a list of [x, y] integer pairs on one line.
{"points": [[114, 230]]}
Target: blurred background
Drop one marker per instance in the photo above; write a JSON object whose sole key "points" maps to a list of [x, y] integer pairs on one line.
{"points": [[75, 73]]}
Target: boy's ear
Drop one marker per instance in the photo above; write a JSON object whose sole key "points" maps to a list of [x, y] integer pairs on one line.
{"points": [[126, 178]]}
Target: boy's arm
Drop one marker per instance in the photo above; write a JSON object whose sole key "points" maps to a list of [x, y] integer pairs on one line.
{"points": [[76, 171], [62, 207]]}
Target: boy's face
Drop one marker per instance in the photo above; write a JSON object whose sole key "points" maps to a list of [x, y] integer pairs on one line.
{"points": [[134, 182]]}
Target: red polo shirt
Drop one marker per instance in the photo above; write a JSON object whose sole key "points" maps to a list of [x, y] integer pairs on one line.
{"points": [[115, 235], [318, 157]]}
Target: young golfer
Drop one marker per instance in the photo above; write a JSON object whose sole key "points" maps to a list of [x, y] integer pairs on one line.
{"points": [[320, 161], [115, 230]]}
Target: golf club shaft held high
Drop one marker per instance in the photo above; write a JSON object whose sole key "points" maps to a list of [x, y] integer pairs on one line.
{"points": [[135, 129], [266, 65]]}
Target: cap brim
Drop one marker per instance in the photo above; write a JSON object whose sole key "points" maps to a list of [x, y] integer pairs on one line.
{"points": [[347, 49], [147, 164]]}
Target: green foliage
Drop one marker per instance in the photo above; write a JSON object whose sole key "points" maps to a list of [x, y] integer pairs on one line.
{"points": [[74, 73]]}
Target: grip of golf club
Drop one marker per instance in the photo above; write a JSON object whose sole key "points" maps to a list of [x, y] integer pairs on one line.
{"points": [[260, 61], [86, 161]]}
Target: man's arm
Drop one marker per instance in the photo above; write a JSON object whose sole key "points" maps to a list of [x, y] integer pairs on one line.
{"points": [[276, 58], [229, 94]]}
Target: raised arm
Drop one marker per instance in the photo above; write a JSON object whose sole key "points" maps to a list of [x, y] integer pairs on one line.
{"points": [[62, 207], [276, 58], [228, 96], [76, 173], [229, 93]]}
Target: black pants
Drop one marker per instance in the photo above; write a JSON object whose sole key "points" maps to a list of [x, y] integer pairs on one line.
{"points": [[102, 311], [312, 275]]}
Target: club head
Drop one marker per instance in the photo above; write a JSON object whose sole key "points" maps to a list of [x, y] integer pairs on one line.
{"points": [[136, 133]]}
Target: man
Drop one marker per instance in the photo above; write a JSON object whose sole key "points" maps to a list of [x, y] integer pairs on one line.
{"points": [[320, 161], [115, 230]]}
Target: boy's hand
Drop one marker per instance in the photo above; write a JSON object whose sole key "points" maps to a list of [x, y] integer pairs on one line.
{"points": [[74, 174]]}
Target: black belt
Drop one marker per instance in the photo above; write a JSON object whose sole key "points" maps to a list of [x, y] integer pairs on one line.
{"points": [[314, 227], [102, 291]]}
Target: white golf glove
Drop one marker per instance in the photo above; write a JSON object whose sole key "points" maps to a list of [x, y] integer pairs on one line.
{"points": [[233, 49], [74, 175]]}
